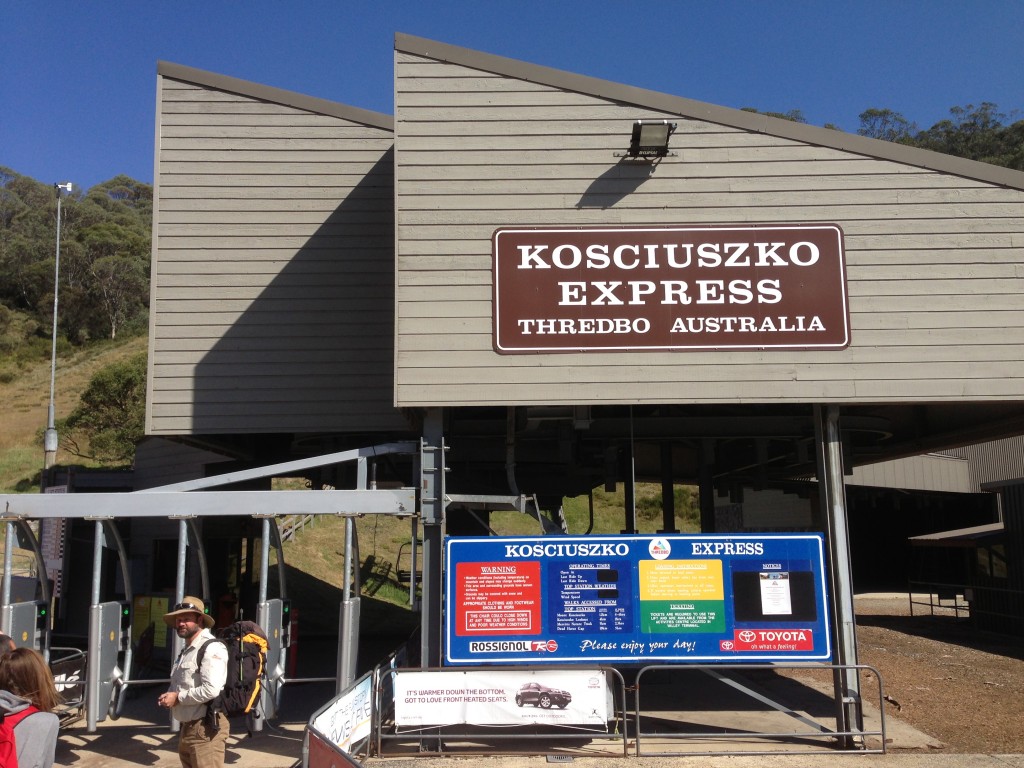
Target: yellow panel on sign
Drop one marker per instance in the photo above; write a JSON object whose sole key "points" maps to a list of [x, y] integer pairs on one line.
{"points": [[681, 580]]}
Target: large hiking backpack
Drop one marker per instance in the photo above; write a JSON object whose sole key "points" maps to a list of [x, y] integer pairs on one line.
{"points": [[247, 658]]}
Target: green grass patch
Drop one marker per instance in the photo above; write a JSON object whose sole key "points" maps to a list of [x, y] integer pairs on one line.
{"points": [[20, 468], [319, 549]]}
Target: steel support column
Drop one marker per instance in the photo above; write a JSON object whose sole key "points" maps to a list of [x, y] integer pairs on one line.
{"points": [[348, 618], [432, 504], [5, 597], [832, 492]]}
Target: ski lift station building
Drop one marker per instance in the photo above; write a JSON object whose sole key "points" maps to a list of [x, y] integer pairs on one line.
{"points": [[513, 277], [326, 277]]}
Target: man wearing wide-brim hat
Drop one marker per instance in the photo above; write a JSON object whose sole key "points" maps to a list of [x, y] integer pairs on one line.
{"points": [[194, 685]]}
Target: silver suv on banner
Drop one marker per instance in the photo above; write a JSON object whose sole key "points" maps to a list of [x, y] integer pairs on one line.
{"points": [[764, 286]]}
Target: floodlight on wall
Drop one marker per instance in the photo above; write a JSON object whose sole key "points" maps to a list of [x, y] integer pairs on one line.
{"points": [[650, 138]]}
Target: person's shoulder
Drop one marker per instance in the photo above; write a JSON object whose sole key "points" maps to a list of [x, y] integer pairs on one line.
{"points": [[215, 648], [39, 722]]}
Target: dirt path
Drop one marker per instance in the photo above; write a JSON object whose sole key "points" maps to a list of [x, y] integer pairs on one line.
{"points": [[960, 686]]}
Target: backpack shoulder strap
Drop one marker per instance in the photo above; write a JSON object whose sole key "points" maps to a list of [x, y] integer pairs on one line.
{"points": [[202, 650], [15, 718]]}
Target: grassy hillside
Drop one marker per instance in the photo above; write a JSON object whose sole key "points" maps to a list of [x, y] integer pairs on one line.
{"points": [[318, 552], [25, 397]]}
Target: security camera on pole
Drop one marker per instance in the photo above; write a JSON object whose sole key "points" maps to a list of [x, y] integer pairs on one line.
{"points": [[50, 436]]}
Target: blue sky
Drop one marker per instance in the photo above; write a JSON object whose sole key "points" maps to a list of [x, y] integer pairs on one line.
{"points": [[78, 79]]}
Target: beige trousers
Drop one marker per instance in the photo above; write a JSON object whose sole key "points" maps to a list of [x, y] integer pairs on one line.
{"points": [[198, 748]]}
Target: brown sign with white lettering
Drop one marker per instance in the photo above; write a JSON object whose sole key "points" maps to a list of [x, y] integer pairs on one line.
{"points": [[771, 286]]}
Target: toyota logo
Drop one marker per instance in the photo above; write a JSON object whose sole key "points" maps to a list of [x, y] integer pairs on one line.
{"points": [[747, 636], [726, 645]]}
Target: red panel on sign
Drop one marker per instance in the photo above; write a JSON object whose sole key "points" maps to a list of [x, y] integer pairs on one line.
{"points": [[498, 598]]}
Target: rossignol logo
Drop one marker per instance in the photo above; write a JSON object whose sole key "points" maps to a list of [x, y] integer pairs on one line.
{"points": [[513, 646]]}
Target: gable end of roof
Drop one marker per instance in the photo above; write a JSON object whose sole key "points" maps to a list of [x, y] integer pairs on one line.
{"points": [[698, 110], [275, 95]]}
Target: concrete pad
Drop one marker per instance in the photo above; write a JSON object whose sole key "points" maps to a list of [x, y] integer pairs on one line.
{"points": [[692, 703]]}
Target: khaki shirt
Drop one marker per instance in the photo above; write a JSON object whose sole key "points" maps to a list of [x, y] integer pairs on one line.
{"points": [[196, 686]]}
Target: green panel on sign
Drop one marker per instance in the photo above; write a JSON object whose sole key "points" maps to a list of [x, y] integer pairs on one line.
{"points": [[682, 616]]}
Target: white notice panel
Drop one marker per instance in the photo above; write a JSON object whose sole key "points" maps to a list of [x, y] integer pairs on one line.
{"points": [[502, 697]]}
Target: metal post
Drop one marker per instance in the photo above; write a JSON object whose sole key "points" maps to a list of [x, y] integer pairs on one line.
{"points": [[50, 435], [414, 562], [179, 595], [28, 537], [833, 497], [5, 597], [348, 630], [432, 505], [204, 569], [264, 559], [348, 617], [362, 473], [92, 687]]}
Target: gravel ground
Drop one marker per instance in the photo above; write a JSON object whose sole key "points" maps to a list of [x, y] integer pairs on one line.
{"points": [[960, 686]]}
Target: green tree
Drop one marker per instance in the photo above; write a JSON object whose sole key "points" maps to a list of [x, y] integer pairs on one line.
{"points": [[793, 115], [973, 132], [886, 125], [110, 417], [104, 259], [120, 283]]}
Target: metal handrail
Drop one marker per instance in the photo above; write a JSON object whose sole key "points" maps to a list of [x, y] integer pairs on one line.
{"points": [[816, 730]]}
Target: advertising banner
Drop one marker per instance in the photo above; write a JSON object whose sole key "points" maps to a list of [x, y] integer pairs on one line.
{"points": [[654, 598], [763, 286], [502, 697], [347, 720]]}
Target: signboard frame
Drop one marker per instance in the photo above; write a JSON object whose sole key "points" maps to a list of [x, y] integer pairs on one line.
{"points": [[643, 598], [699, 287]]}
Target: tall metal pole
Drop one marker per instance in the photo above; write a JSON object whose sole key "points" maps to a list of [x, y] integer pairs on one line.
{"points": [[50, 436], [833, 495]]}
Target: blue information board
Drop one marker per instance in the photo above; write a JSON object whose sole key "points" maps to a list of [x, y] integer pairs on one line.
{"points": [[641, 599]]}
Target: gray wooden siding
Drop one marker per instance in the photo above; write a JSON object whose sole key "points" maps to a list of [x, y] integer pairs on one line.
{"points": [[934, 259], [933, 472], [273, 267], [161, 462], [997, 461]]}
